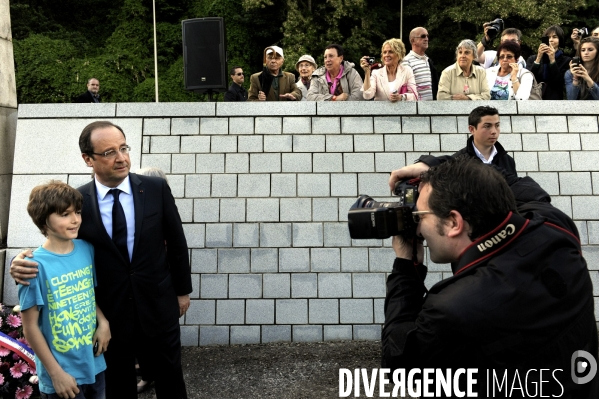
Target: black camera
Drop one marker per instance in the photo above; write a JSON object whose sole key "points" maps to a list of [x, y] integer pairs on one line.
{"points": [[370, 60], [581, 32], [370, 219], [495, 27], [576, 61]]}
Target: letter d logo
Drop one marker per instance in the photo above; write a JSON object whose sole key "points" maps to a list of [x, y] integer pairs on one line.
{"points": [[589, 364]]}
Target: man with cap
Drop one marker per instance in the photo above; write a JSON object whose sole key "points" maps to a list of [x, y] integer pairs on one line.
{"points": [[305, 66], [272, 84], [236, 91]]}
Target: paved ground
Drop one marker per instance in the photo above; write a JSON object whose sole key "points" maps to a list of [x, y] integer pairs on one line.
{"points": [[282, 371]]}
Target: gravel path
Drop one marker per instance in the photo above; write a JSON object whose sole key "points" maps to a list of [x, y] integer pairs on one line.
{"points": [[283, 370]]}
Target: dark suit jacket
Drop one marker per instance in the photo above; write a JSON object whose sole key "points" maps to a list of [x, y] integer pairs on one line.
{"points": [[236, 93], [87, 98], [155, 276]]}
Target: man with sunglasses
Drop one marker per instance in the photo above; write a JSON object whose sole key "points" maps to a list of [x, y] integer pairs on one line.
{"points": [[236, 91], [518, 304], [425, 74]]}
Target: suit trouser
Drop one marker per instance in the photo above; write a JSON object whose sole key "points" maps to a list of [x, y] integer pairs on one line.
{"points": [[158, 356]]}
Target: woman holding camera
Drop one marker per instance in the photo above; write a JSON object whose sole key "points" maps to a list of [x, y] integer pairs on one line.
{"points": [[464, 80], [508, 81], [394, 82], [581, 79], [550, 63]]}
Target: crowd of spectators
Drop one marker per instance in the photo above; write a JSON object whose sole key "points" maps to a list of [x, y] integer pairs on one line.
{"points": [[479, 73]]}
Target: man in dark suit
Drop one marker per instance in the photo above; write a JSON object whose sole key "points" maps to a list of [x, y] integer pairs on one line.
{"points": [[236, 91], [91, 95], [143, 289]]}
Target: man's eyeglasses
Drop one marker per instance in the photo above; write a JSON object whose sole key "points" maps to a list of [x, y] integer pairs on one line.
{"points": [[423, 36], [506, 57], [239, 74], [416, 215], [112, 153]]}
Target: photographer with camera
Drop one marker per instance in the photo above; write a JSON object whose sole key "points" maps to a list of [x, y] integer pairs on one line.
{"points": [[391, 81], [580, 33], [488, 58], [550, 63], [520, 297], [581, 79]]}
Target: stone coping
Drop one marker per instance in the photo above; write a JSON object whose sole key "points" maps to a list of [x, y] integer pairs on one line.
{"points": [[303, 108]]}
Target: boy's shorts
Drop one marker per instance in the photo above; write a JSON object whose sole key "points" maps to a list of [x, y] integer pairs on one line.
{"points": [[97, 390]]}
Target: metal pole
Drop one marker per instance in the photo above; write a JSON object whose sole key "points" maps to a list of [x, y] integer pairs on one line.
{"points": [[401, 21], [155, 51]]}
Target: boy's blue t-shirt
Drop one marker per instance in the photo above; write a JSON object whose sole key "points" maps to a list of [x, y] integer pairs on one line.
{"points": [[64, 294]]}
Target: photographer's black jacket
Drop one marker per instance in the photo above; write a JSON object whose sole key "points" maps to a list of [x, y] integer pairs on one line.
{"points": [[502, 159], [520, 298]]}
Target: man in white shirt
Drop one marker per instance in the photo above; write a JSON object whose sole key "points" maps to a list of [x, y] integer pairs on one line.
{"points": [[425, 74]]}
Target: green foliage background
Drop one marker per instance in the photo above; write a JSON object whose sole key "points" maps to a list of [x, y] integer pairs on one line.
{"points": [[58, 45]]}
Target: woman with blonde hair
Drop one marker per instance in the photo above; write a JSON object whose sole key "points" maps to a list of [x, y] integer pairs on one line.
{"points": [[392, 82]]}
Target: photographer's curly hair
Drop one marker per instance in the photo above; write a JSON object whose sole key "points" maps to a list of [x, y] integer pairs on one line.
{"points": [[477, 191], [593, 71]]}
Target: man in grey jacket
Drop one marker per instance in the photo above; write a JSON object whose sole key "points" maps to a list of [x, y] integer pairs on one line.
{"points": [[337, 80]]}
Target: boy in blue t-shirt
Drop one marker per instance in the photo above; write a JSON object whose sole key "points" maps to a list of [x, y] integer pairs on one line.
{"points": [[61, 321]]}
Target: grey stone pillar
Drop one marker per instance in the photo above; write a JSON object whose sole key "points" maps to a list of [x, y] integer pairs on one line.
{"points": [[8, 121]]}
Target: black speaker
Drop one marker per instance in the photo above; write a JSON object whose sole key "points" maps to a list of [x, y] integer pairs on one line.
{"points": [[204, 54]]}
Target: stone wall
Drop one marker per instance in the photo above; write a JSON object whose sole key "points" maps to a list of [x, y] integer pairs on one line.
{"points": [[264, 190], [8, 121]]}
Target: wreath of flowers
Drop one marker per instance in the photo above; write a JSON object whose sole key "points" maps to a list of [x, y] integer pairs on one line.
{"points": [[18, 378]]}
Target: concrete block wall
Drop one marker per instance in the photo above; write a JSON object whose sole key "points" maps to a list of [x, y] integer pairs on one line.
{"points": [[8, 121], [264, 189]]}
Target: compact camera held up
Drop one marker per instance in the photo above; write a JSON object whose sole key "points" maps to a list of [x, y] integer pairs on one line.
{"points": [[368, 219], [581, 32], [373, 65]]}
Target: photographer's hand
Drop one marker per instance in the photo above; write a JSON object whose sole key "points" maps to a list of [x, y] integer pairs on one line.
{"points": [[575, 38], [403, 248], [486, 25], [364, 64], [407, 172]]}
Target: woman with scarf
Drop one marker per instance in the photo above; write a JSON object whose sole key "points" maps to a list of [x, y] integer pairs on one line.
{"points": [[393, 82], [550, 64], [337, 80], [305, 66]]}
